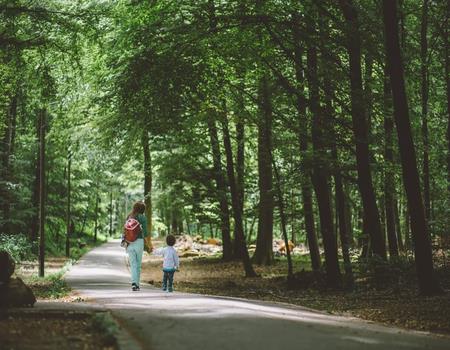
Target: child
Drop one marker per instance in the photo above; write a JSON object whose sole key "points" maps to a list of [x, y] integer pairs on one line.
{"points": [[170, 263]]}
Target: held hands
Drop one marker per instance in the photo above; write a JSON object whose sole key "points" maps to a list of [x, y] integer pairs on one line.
{"points": [[148, 248]]}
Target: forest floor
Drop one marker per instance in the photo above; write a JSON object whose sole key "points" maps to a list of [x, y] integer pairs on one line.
{"points": [[390, 299], [38, 329]]}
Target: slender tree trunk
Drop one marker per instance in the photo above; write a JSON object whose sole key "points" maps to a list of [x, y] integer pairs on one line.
{"points": [[42, 128], [307, 200], [97, 204], [447, 83], [240, 167], [239, 229], [368, 86], [398, 228], [360, 130], [428, 283], [348, 213], [389, 185], [221, 185], [221, 191], [339, 191], [424, 93], [320, 170], [34, 227], [148, 189], [68, 210], [8, 148], [111, 213], [283, 220], [343, 227], [264, 249]]}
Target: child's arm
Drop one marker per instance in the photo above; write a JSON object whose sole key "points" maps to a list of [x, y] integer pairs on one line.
{"points": [[159, 251], [177, 261]]}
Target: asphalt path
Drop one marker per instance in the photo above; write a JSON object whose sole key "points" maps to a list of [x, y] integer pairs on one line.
{"points": [[158, 320]]}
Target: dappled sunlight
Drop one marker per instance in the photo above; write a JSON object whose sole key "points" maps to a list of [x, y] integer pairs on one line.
{"points": [[102, 277]]}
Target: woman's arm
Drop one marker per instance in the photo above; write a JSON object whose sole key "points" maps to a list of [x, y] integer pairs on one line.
{"points": [[143, 221]]}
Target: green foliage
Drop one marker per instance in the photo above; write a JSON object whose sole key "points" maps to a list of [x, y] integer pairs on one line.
{"points": [[18, 246]]}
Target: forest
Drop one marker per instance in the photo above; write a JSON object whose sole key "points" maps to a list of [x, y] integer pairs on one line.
{"points": [[319, 123]]}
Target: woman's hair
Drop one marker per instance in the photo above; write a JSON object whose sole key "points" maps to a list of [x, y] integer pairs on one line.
{"points": [[138, 208], [170, 240]]}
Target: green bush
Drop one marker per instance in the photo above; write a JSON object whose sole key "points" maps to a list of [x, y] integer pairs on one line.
{"points": [[18, 246]]}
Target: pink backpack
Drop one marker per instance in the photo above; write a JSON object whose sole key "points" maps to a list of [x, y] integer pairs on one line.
{"points": [[132, 229]]}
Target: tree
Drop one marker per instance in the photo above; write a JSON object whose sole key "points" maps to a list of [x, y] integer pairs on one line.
{"points": [[359, 120], [428, 283]]}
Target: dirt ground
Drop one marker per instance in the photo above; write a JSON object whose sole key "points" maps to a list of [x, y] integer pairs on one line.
{"points": [[38, 330], [394, 302]]}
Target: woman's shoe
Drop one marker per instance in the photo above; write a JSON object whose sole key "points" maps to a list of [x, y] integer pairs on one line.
{"points": [[134, 287]]}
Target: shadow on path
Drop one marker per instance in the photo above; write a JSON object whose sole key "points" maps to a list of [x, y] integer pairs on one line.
{"points": [[187, 321]]}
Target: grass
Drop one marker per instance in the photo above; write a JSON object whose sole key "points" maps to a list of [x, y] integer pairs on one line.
{"points": [[53, 286]]}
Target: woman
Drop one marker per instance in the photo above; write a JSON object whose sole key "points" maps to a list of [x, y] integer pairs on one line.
{"points": [[136, 249]]}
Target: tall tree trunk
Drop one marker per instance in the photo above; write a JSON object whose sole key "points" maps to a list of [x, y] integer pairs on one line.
{"points": [[283, 220], [398, 228], [68, 210], [321, 174], [111, 213], [447, 83], [148, 189], [424, 95], [6, 153], [240, 167], [42, 128], [221, 185], [235, 204], [264, 249], [307, 200], [389, 185], [359, 121], [97, 204], [221, 191], [339, 189], [428, 283]]}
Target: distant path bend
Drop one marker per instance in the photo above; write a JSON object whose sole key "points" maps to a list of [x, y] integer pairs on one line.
{"points": [[174, 321]]}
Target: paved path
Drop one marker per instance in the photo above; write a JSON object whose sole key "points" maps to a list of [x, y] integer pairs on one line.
{"points": [[174, 321]]}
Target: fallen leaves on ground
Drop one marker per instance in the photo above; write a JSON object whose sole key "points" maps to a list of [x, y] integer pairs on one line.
{"points": [[395, 302]]}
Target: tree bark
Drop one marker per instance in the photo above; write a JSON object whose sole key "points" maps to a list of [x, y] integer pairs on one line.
{"points": [[447, 83], [68, 210], [235, 204], [321, 176], [221, 187], [360, 131], [42, 128], [283, 221], [264, 248], [8, 148], [428, 283], [424, 97], [303, 136], [148, 189], [97, 204], [398, 228], [389, 185], [110, 213], [339, 190], [240, 168]]}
